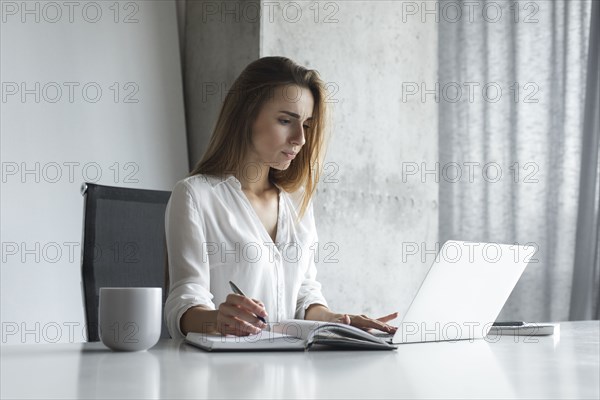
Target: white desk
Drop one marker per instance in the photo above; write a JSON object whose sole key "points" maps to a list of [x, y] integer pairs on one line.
{"points": [[563, 366]]}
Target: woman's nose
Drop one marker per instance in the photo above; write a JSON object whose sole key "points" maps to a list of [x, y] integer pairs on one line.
{"points": [[298, 138]]}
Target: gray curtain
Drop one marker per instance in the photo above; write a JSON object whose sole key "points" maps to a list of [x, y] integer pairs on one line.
{"points": [[519, 145], [585, 299]]}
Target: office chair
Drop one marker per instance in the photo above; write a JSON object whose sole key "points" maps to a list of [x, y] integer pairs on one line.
{"points": [[123, 244]]}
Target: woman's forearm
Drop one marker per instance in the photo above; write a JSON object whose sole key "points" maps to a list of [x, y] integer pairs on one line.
{"points": [[204, 320], [318, 312], [199, 319]]}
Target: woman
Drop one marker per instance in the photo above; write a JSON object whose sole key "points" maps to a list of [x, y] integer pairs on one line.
{"points": [[245, 213]]}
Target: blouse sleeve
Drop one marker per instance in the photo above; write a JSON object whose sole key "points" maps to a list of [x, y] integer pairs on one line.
{"points": [[310, 289], [189, 273]]}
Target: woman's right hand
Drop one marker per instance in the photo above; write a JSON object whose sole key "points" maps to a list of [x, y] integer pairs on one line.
{"points": [[236, 316]]}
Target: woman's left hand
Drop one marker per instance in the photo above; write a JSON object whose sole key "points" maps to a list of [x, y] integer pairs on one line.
{"points": [[366, 323]]}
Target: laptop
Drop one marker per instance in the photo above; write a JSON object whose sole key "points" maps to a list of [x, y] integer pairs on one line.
{"points": [[463, 292]]}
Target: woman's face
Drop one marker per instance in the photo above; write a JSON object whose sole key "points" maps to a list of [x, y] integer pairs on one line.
{"points": [[280, 128]]}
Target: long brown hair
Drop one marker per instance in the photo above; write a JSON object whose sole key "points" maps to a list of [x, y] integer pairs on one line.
{"points": [[232, 134]]}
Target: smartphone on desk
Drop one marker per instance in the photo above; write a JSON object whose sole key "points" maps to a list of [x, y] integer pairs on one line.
{"points": [[522, 328]]}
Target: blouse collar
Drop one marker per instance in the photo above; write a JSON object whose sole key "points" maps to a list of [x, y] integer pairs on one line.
{"points": [[215, 180]]}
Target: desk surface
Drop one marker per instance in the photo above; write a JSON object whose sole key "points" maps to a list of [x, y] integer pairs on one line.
{"points": [[560, 366]]}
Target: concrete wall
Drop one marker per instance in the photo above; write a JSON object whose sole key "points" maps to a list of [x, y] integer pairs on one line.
{"points": [[367, 217], [219, 42], [132, 135], [363, 209]]}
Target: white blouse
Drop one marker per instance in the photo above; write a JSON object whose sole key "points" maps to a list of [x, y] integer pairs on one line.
{"points": [[214, 235]]}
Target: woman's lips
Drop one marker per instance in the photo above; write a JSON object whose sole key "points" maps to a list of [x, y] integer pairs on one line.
{"points": [[288, 155]]}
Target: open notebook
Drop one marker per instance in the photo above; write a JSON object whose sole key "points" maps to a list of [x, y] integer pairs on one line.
{"points": [[293, 334]]}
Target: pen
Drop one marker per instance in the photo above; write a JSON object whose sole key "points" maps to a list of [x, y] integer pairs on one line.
{"points": [[237, 290]]}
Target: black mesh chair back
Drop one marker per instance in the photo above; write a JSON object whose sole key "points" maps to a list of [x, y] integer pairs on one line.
{"points": [[123, 244]]}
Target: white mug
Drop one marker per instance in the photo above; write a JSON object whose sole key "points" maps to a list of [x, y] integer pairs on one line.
{"points": [[129, 318]]}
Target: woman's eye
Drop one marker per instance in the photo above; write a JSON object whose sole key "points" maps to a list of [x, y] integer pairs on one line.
{"points": [[288, 121]]}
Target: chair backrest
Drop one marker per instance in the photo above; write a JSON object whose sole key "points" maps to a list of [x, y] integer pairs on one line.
{"points": [[123, 244]]}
